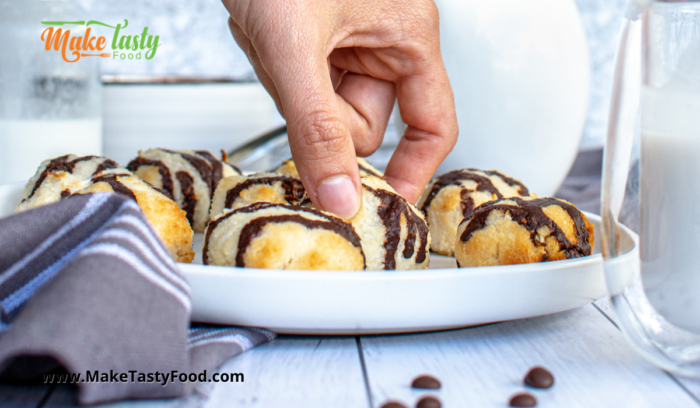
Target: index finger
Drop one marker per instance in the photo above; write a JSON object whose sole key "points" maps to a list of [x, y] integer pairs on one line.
{"points": [[426, 104]]}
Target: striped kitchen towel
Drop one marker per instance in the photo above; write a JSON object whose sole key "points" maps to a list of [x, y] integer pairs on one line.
{"points": [[85, 284]]}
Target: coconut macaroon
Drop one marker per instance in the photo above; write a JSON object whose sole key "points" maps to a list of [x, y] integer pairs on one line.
{"points": [[393, 231], [449, 197], [60, 177], [290, 169], [240, 191], [189, 176], [168, 219], [279, 236], [523, 230]]}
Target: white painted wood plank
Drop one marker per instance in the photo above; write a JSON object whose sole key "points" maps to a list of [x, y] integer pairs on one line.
{"points": [[295, 371], [603, 304], [65, 396], [484, 366], [692, 386], [22, 396]]}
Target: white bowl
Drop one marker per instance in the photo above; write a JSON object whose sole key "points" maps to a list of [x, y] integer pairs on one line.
{"points": [[520, 72]]}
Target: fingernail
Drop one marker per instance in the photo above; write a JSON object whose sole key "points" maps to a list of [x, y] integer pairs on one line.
{"points": [[339, 196]]}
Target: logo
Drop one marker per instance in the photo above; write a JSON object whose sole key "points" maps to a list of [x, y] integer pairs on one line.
{"points": [[123, 45]]}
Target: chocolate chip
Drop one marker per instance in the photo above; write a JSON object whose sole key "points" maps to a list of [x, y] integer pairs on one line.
{"points": [[428, 402], [523, 400], [539, 377], [393, 404], [426, 382]]}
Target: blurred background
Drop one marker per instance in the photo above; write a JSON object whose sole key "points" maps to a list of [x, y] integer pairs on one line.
{"points": [[196, 42], [201, 92]]}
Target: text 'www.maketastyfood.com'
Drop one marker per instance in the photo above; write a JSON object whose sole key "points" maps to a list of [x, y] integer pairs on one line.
{"points": [[133, 376]]}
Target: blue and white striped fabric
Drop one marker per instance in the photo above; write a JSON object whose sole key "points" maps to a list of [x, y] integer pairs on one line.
{"points": [[87, 284]]}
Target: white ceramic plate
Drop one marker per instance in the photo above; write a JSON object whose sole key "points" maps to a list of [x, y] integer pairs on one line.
{"points": [[442, 297]]}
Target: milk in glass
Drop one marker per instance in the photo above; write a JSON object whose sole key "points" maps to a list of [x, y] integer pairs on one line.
{"points": [[48, 107], [670, 201]]}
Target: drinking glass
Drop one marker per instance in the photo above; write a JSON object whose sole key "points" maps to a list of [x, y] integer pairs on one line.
{"points": [[48, 107], [651, 183]]}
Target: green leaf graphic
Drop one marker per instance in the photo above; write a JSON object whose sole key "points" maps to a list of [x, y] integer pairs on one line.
{"points": [[63, 22], [99, 23]]}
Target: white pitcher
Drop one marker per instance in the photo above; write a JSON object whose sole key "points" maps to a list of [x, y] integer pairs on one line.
{"points": [[520, 72]]}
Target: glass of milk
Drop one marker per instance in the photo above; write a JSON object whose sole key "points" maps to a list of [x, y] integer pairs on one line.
{"points": [[48, 107], [651, 183]]}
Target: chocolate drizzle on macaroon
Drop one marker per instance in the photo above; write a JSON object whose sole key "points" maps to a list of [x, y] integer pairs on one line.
{"points": [[117, 186], [210, 169], [64, 164], [255, 226], [293, 188], [165, 176], [369, 170], [391, 210], [189, 197], [105, 165], [522, 190], [483, 183], [217, 169], [530, 214], [455, 178], [58, 164]]}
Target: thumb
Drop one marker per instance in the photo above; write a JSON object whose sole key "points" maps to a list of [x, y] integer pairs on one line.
{"points": [[319, 138], [322, 147]]}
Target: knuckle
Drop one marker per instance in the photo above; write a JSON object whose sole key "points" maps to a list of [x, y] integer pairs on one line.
{"points": [[322, 133], [424, 16], [451, 130], [426, 28], [367, 146], [429, 13], [448, 131]]}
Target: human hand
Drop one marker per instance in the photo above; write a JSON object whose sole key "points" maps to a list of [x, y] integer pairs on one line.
{"points": [[334, 69]]}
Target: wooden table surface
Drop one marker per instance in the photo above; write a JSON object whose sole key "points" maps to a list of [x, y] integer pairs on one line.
{"points": [[479, 367]]}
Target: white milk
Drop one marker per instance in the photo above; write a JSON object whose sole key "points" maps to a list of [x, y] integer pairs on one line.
{"points": [[24, 144], [670, 202]]}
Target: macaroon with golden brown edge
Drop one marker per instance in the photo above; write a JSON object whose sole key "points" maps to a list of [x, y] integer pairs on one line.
{"points": [[279, 236], [394, 232], [240, 191], [59, 177], [190, 177], [449, 197], [523, 230], [167, 218]]}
